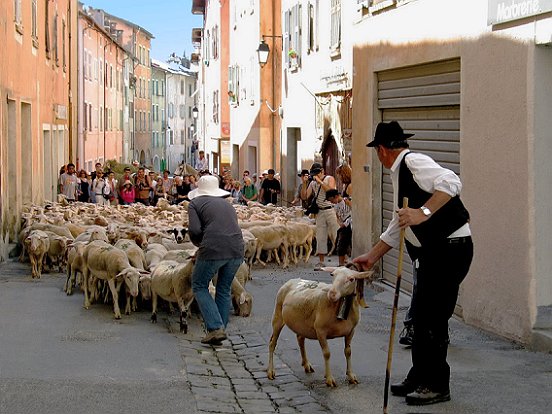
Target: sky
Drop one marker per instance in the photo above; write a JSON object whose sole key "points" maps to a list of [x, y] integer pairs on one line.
{"points": [[170, 21]]}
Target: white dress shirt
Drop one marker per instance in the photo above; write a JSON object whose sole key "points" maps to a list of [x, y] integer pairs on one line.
{"points": [[430, 177]]}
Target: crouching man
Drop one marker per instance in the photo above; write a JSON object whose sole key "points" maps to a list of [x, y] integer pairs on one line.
{"points": [[213, 227]]}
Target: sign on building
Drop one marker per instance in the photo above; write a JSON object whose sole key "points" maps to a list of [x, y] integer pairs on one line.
{"points": [[501, 11]]}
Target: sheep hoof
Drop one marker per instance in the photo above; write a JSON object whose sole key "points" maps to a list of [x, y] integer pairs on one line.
{"points": [[184, 328], [270, 374], [154, 318], [363, 303], [308, 368], [352, 379], [330, 382], [117, 316]]}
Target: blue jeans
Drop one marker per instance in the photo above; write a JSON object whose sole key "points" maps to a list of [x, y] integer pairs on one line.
{"points": [[215, 312]]}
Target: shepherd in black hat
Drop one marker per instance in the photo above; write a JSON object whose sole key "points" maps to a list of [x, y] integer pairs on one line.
{"points": [[438, 238]]}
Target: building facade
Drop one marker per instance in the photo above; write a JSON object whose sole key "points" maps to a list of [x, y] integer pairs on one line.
{"points": [[181, 85], [475, 87], [102, 94], [137, 42], [158, 109], [38, 80]]}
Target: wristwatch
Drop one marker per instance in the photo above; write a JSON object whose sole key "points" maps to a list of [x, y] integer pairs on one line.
{"points": [[426, 211]]}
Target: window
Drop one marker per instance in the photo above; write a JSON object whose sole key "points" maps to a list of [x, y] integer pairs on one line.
{"points": [[190, 89], [335, 31], [63, 61], [111, 76], [85, 117], [121, 119], [182, 87], [182, 110], [215, 41], [293, 36], [101, 122], [89, 117], [101, 75], [182, 137], [17, 11], [171, 137], [189, 112], [47, 45], [171, 110], [162, 88], [34, 22], [216, 107], [89, 65], [55, 42], [233, 84], [310, 28]]}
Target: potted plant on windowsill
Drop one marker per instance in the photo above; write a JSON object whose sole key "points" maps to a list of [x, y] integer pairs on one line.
{"points": [[293, 57]]}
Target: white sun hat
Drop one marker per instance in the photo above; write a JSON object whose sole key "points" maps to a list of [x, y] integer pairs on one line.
{"points": [[208, 185]]}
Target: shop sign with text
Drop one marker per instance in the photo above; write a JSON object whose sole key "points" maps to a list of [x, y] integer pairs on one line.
{"points": [[501, 11]]}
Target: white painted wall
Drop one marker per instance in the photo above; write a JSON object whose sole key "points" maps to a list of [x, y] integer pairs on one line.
{"points": [[505, 124]]}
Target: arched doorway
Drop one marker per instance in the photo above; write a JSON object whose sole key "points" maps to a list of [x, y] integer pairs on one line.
{"points": [[142, 157], [330, 155]]}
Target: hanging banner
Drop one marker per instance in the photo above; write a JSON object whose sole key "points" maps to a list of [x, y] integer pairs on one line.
{"points": [[501, 11]]}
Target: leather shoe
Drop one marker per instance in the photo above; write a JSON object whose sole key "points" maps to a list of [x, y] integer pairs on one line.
{"points": [[426, 396], [402, 389], [214, 337], [406, 337]]}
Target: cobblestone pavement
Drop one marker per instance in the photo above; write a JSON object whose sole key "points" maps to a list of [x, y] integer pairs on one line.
{"points": [[232, 378]]}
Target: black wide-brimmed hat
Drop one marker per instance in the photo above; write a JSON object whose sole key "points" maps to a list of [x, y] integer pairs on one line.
{"points": [[388, 135], [316, 168], [302, 173]]}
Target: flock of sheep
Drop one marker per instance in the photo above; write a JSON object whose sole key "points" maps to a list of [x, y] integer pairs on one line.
{"points": [[145, 251]]}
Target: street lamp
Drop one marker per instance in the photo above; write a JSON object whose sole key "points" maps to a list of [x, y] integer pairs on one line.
{"points": [[195, 112], [263, 52]]}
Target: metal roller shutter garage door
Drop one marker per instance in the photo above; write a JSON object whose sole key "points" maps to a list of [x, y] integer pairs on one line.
{"points": [[425, 100]]}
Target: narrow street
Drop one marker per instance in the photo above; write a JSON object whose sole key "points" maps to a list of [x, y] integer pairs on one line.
{"points": [[57, 357]]}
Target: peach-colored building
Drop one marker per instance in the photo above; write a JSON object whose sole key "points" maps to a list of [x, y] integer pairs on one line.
{"points": [[238, 126], [38, 87], [101, 97], [137, 41]]}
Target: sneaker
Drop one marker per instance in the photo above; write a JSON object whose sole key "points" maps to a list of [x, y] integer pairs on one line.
{"points": [[407, 335], [319, 266], [214, 337], [426, 396]]}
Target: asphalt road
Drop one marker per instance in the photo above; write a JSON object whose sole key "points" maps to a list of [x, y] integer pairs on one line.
{"points": [[56, 357]]}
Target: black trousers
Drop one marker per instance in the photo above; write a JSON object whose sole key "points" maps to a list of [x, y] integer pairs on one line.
{"points": [[441, 270]]}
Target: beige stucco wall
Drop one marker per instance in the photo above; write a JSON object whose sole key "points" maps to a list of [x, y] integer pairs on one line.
{"points": [[505, 90]]}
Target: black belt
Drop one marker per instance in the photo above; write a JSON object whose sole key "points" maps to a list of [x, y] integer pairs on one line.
{"points": [[459, 240], [325, 208]]}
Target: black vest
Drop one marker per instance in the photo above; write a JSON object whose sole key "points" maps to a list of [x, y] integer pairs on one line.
{"points": [[442, 223]]}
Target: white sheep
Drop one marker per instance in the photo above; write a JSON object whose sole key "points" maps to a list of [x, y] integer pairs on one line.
{"points": [[37, 244], [111, 264], [172, 281], [310, 309]]}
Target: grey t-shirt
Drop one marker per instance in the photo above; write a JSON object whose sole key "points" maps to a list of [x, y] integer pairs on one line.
{"points": [[69, 183], [213, 227]]}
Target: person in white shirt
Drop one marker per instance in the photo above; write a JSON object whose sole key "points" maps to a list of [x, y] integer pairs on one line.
{"points": [[100, 187], [202, 163], [438, 239]]}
